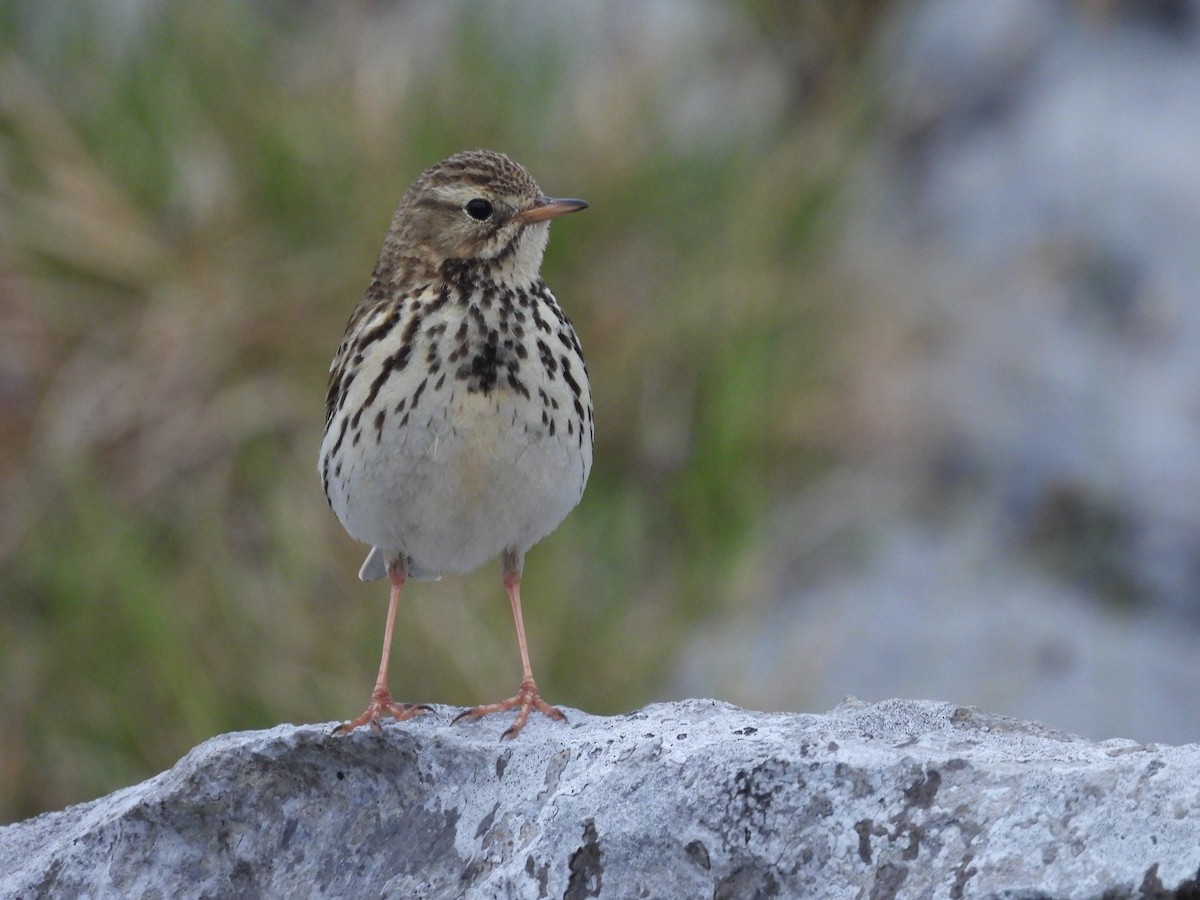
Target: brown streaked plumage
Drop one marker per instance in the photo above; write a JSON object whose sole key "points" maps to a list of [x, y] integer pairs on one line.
{"points": [[458, 421]]}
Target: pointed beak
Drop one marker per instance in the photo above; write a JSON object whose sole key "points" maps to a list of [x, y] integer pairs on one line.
{"points": [[548, 208]]}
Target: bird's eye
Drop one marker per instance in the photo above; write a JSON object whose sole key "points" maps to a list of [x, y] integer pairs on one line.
{"points": [[479, 209]]}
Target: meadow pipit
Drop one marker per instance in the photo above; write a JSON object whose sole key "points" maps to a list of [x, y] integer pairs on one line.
{"points": [[458, 424]]}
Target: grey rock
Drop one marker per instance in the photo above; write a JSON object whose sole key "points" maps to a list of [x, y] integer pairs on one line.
{"points": [[693, 799]]}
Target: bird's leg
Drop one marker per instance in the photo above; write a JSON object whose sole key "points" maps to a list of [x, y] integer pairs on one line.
{"points": [[527, 698], [381, 698]]}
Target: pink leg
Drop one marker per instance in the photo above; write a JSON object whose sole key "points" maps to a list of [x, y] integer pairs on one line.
{"points": [[381, 698], [527, 698]]}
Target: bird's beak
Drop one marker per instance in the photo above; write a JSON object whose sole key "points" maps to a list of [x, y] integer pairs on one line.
{"points": [[548, 208]]}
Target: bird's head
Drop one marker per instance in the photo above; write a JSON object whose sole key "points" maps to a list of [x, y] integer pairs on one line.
{"points": [[482, 209]]}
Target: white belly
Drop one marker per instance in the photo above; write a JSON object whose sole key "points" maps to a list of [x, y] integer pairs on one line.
{"points": [[468, 476]]}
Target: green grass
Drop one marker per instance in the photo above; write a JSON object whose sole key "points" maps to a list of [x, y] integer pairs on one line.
{"points": [[189, 209]]}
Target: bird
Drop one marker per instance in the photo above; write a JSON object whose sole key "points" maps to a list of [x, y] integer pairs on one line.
{"points": [[458, 419]]}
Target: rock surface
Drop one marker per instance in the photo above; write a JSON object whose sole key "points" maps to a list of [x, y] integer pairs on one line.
{"points": [[692, 799]]}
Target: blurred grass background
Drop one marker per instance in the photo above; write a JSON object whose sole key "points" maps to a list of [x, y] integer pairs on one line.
{"points": [[192, 197]]}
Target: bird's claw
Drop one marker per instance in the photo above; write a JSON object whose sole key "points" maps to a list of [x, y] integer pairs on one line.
{"points": [[382, 704], [525, 701]]}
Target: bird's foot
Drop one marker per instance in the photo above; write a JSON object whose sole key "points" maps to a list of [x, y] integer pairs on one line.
{"points": [[525, 701], [382, 704]]}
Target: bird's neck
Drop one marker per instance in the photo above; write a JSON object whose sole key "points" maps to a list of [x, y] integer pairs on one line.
{"points": [[470, 276]]}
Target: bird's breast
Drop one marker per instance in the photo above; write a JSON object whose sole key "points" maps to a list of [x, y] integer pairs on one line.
{"points": [[469, 434]]}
